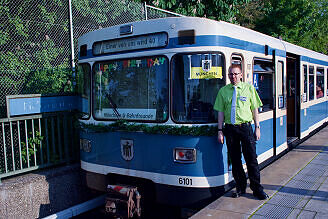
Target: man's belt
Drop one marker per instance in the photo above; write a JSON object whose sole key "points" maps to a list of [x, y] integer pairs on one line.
{"points": [[238, 125]]}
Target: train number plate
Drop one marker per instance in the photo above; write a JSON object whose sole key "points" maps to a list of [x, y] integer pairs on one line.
{"points": [[185, 181]]}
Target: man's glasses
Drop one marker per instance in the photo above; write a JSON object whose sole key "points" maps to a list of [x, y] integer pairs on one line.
{"points": [[234, 74]]}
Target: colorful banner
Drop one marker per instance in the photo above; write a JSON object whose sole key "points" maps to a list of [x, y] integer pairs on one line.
{"points": [[133, 63]]}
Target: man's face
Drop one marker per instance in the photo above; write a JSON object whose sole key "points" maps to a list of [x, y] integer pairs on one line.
{"points": [[235, 76]]}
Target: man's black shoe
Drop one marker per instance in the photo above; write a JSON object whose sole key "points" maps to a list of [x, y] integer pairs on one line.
{"points": [[260, 195], [238, 193]]}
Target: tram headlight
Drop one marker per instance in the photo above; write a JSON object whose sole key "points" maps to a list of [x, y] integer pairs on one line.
{"points": [[85, 145], [184, 155]]}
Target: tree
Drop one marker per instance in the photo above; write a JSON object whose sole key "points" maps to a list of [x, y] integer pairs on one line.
{"points": [[301, 22], [32, 42], [35, 43], [213, 9], [250, 13], [315, 35], [94, 14], [29, 40]]}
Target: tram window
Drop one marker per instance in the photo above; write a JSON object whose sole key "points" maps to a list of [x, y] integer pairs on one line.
{"points": [[263, 82], [305, 81], [320, 83], [196, 80], [83, 89], [327, 81], [238, 60], [281, 85], [311, 83], [131, 89]]}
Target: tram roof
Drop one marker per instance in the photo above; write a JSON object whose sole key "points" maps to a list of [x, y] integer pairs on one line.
{"points": [[202, 26]]}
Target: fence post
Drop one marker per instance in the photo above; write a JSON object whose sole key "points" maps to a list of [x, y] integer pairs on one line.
{"points": [[146, 15], [72, 40]]}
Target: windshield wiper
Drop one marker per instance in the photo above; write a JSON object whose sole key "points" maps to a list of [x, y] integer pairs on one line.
{"points": [[113, 104]]}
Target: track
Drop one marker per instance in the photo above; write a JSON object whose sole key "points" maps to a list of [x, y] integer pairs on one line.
{"points": [[95, 208]]}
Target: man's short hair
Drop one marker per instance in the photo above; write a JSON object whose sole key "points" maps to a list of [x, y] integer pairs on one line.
{"points": [[234, 66]]}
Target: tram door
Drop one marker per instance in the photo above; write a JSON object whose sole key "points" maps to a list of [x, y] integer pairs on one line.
{"points": [[293, 97]]}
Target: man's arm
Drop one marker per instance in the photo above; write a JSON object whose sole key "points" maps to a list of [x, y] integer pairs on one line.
{"points": [[220, 126], [257, 124]]}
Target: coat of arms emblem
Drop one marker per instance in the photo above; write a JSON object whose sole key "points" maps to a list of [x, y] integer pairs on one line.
{"points": [[127, 149], [206, 65]]}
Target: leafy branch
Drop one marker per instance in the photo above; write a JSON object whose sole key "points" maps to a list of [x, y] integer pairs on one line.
{"points": [[33, 145], [123, 125]]}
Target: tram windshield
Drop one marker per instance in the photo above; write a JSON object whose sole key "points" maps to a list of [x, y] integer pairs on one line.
{"points": [[196, 80], [131, 89]]}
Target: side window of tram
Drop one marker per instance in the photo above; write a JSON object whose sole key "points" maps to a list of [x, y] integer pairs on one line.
{"points": [[281, 85], [311, 83], [320, 83], [263, 75], [327, 81], [305, 81], [83, 89], [196, 80]]}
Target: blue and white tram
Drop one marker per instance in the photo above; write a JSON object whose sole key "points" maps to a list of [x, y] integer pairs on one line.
{"points": [[161, 77]]}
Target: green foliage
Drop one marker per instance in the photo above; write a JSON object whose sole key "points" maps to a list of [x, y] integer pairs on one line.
{"points": [[49, 81], [101, 12], [301, 22], [34, 38], [214, 9], [315, 33], [250, 13], [33, 145], [288, 18], [122, 125], [28, 42]]}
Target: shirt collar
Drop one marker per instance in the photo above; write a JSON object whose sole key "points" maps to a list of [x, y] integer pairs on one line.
{"points": [[239, 85]]}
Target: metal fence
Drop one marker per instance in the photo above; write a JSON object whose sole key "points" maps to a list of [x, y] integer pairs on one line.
{"points": [[36, 141], [38, 47]]}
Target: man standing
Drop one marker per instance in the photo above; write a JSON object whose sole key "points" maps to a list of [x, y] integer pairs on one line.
{"points": [[237, 105]]}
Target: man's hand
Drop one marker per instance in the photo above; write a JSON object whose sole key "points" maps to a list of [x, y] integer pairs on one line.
{"points": [[220, 137], [257, 134], [220, 125]]}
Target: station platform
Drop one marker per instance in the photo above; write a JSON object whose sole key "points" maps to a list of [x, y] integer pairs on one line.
{"points": [[297, 186]]}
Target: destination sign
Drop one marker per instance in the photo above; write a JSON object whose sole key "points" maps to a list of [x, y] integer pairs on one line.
{"points": [[129, 114], [132, 43]]}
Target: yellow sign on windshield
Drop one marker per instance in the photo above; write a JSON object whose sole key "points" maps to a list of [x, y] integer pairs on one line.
{"points": [[200, 73]]}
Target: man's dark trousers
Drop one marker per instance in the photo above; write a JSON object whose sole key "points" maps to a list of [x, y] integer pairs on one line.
{"points": [[243, 133]]}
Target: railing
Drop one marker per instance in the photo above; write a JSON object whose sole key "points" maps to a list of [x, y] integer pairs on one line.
{"points": [[37, 141]]}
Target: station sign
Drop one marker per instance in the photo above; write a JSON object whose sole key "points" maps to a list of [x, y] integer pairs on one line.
{"points": [[20, 105]]}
